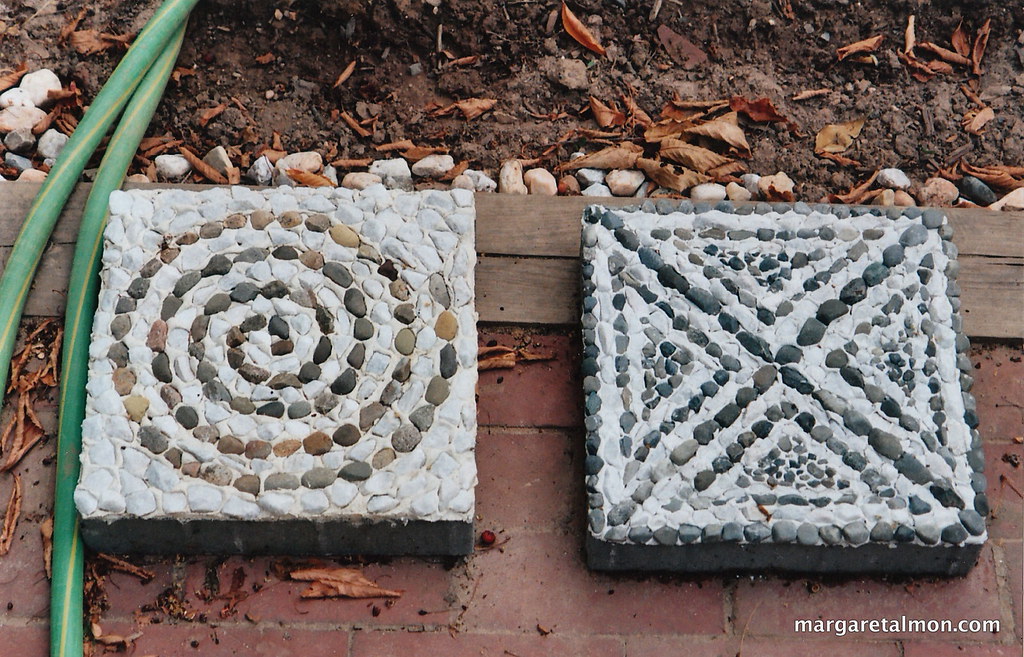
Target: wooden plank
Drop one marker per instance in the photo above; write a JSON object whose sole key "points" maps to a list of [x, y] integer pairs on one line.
{"points": [[526, 225], [528, 290]]}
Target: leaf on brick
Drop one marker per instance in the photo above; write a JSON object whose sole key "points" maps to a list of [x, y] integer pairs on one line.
{"points": [[340, 583]]}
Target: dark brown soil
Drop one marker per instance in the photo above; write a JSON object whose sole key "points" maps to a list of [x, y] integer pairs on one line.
{"points": [[753, 50]]}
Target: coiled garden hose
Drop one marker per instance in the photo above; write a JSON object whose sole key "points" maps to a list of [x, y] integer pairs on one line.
{"points": [[66, 604]]}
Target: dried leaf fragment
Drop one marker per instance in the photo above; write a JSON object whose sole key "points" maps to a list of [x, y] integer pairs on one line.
{"points": [[978, 51], [345, 75], [474, 107], [761, 110], [340, 583], [204, 169], [11, 78], [726, 129], [865, 45], [11, 517], [578, 31], [944, 54], [692, 156], [961, 44], [856, 194], [46, 534], [90, 42], [836, 138], [975, 120], [265, 58], [211, 113], [309, 179], [909, 36], [356, 127], [810, 93], [682, 51], [606, 116], [612, 157], [670, 176]]}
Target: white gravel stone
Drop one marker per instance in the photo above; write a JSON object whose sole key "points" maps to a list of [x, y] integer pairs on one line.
{"points": [[20, 141], [510, 178], [540, 182], [597, 189], [172, 167], [51, 143], [15, 97], [219, 159], [737, 192], [481, 181], [588, 177], [394, 172], [20, 118], [624, 182], [310, 161], [433, 166], [261, 172], [38, 84], [708, 192], [32, 175], [893, 179]]}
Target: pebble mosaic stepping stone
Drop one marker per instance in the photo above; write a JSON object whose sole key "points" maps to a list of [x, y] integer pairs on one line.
{"points": [[777, 387], [287, 371]]}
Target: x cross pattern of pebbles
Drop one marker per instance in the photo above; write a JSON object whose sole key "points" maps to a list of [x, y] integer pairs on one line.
{"points": [[283, 353], [780, 374]]}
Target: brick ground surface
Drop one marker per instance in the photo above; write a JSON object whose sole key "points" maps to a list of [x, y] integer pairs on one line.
{"points": [[531, 595]]}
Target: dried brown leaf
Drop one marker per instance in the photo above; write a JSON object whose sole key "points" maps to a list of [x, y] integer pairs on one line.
{"points": [[90, 42], [909, 36], [345, 75], [356, 128], [265, 58], [938, 66], [978, 51], [776, 188], [605, 115], [944, 53], [668, 129], [578, 31], [11, 78], [856, 194], [670, 176], [810, 93], [46, 534], [210, 114], [838, 159], [506, 360], [761, 110], [613, 157], [71, 25], [975, 120], [401, 145], [919, 70], [637, 115], [22, 433], [352, 163], [726, 171], [961, 43], [725, 129], [1000, 178], [682, 51], [143, 574], [836, 138], [340, 583], [865, 45], [309, 179], [691, 156], [11, 517], [474, 107], [202, 168]]}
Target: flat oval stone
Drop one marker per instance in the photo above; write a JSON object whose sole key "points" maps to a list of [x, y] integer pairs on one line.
{"points": [[319, 478], [312, 259], [344, 236], [309, 372], [281, 481], [383, 458], [187, 281], [405, 313], [248, 484], [448, 362], [405, 438], [124, 380], [323, 350], [362, 329], [299, 409], [346, 435], [876, 272], [355, 302], [257, 449], [422, 418], [218, 303], [218, 265], [162, 368], [446, 326], [286, 447], [437, 391], [811, 333], [337, 273], [357, 471], [317, 443], [230, 445], [187, 417], [345, 383], [282, 347], [368, 415], [405, 341], [271, 409]]}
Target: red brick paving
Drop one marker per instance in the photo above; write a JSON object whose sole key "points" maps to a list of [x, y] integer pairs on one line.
{"points": [[1005, 486], [530, 491]]}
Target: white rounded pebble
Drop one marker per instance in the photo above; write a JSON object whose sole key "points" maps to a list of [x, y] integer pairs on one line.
{"points": [[588, 177], [893, 179], [481, 181], [394, 172], [708, 192], [433, 166], [18, 117], [51, 143], [261, 172], [140, 503], [310, 161], [342, 493], [540, 182], [16, 97], [38, 86], [360, 180], [737, 192], [624, 182], [510, 178], [204, 499], [597, 189], [239, 508], [171, 167]]}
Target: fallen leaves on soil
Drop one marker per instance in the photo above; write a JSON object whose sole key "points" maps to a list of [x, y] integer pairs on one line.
{"points": [[836, 138], [690, 155], [670, 176], [682, 51], [726, 129], [11, 517], [761, 110], [340, 583], [606, 115], [978, 51], [90, 42], [11, 78], [975, 120], [856, 194], [612, 157], [470, 107], [309, 179], [578, 31], [345, 75], [202, 168], [863, 46], [961, 43], [210, 114]]}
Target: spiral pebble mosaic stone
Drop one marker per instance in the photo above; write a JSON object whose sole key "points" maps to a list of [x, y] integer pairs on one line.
{"points": [[283, 354], [763, 383]]}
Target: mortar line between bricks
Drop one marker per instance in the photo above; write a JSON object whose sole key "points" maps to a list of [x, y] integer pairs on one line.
{"points": [[729, 607], [526, 430], [1007, 622], [549, 427], [351, 643]]}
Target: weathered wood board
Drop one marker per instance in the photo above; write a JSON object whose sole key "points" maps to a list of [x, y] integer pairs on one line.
{"points": [[528, 272]]}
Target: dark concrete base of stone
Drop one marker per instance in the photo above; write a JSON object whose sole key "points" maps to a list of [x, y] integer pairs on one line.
{"points": [[870, 559], [284, 537]]}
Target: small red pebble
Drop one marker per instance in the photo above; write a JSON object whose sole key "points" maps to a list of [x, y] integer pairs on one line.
{"points": [[487, 537]]}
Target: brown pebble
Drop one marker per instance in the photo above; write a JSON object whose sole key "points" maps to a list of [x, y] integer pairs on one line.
{"points": [[317, 443], [170, 395], [230, 445], [446, 326], [136, 406], [169, 254], [235, 221], [257, 449], [902, 198], [344, 235], [206, 433], [124, 380], [234, 337], [260, 219], [569, 186], [173, 456], [211, 230], [282, 347], [187, 238], [216, 474], [382, 458], [190, 469], [287, 447], [248, 484], [399, 290], [312, 259], [157, 338], [290, 219]]}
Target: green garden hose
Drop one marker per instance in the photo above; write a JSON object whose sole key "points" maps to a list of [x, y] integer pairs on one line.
{"points": [[66, 590], [42, 216]]}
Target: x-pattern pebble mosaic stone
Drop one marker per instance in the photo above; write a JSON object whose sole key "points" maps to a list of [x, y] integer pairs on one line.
{"points": [[262, 355], [777, 375]]}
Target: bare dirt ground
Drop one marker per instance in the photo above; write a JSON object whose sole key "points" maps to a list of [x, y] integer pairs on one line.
{"points": [[274, 66]]}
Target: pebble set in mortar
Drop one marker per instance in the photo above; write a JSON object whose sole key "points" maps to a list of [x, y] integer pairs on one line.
{"points": [[777, 387], [289, 370]]}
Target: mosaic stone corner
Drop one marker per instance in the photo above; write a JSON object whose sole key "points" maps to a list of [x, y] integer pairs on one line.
{"points": [[759, 424], [288, 356]]}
